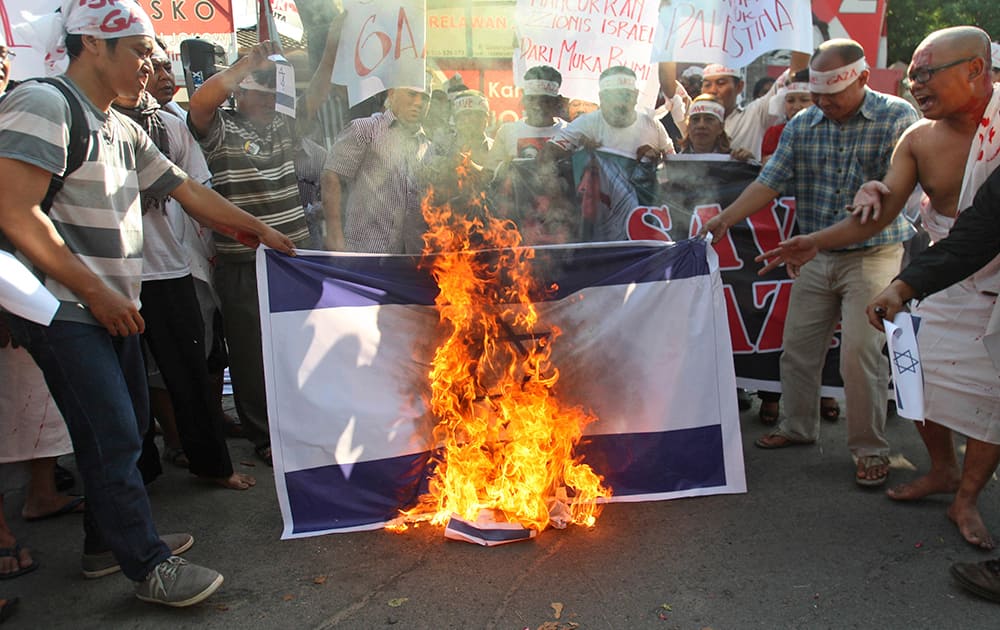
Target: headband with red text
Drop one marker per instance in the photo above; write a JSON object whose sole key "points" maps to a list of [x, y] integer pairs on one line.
{"points": [[836, 80]]}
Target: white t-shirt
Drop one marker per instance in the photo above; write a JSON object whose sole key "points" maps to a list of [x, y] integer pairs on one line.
{"points": [[164, 256], [623, 141], [518, 139], [746, 126]]}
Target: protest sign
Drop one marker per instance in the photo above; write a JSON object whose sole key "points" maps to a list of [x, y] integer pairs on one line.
{"points": [[177, 20], [582, 39], [382, 46], [731, 33]]}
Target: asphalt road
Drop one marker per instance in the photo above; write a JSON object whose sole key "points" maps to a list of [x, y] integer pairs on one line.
{"points": [[804, 548]]}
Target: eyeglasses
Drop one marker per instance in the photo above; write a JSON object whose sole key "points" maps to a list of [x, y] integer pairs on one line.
{"points": [[923, 75], [6, 52]]}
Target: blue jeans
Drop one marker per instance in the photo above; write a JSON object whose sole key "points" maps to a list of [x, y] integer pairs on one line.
{"points": [[99, 384]]}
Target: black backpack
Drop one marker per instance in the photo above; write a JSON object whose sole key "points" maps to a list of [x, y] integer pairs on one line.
{"points": [[79, 141]]}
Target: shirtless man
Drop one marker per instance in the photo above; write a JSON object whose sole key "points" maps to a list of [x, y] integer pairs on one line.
{"points": [[950, 79]]}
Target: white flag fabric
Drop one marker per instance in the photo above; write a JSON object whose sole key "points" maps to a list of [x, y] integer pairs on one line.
{"points": [[904, 358], [348, 340], [731, 33], [22, 294], [382, 46]]}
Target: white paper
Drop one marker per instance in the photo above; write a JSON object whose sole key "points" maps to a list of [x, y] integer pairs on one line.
{"points": [[284, 101], [731, 33], [907, 372], [22, 294], [382, 46]]}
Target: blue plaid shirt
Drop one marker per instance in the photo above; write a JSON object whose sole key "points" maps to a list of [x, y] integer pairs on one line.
{"points": [[823, 163]]}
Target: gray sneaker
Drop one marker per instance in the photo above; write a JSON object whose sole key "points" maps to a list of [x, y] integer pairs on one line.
{"points": [[97, 565], [176, 582]]}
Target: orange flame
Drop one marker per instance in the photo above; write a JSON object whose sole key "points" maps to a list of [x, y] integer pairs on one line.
{"points": [[506, 440]]}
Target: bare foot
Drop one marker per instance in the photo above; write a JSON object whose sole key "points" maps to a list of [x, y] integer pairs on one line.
{"points": [[971, 525], [236, 481], [52, 505], [934, 482]]}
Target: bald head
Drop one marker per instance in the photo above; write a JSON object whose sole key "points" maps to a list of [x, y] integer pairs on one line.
{"points": [[835, 53], [961, 41]]}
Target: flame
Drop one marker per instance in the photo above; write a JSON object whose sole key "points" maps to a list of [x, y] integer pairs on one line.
{"points": [[506, 441]]}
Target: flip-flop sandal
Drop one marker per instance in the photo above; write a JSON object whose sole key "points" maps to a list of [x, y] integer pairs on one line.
{"points": [[868, 462], [830, 413], [75, 506], [7, 607], [765, 442], [15, 552], [768, 413]]}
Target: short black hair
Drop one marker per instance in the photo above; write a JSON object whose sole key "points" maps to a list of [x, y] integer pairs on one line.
{"points": [[613, 70], [74, 45], [543, 73], [802, 76]]}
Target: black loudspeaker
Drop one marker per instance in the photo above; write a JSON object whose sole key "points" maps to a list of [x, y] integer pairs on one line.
{"points": [[200, 59]]}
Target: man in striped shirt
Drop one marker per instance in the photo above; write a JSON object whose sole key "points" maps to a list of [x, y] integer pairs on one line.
{"points": [[251, 154], [88, 248], [381, 157]]}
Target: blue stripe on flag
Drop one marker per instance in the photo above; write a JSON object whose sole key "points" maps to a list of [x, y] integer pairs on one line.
{"points": [[322, 498], [650, 463], [632, 464], [312, 282]]}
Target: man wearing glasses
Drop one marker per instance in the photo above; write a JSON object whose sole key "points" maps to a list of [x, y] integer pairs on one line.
{"points": [[950, 153], [826, 152]]}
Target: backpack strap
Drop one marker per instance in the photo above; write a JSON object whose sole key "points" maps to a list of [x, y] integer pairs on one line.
{"points": [[79, 141]]}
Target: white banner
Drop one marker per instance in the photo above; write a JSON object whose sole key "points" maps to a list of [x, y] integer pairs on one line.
{"points": [[382, 46], [586, 38], [731, 33]]}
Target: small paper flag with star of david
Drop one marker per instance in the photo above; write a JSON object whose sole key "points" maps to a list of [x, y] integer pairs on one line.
{"points": [[907, 374]]}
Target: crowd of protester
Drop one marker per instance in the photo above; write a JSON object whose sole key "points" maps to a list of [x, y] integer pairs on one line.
{"points": [[199, 189]]}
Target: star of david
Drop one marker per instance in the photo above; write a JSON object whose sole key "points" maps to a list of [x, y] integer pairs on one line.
{"points": [[518, 339], [905, 362]]}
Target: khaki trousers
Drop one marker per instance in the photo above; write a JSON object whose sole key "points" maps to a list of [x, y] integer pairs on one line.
{"points": [[837, 286]]}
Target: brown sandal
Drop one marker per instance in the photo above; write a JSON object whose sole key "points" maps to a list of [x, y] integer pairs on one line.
{"points": [[827, 411]]}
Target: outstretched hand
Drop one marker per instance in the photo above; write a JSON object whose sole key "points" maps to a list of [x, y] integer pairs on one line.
{"points": [[867, 202], [793, 253]]}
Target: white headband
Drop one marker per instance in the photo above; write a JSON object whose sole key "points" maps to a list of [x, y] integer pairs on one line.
{"points": [[617, 82], [541, 87], [707, 107], [836, 80], [800, 86], [470, 103], [105, 20]]}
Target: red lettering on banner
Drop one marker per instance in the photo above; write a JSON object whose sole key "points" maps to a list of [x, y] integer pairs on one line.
{"points": [[649, 224], [769, 227], [117, 21], [726, 249], [386, 42], [737, 329], [401, 21], [772, 295], [362, 42]]}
